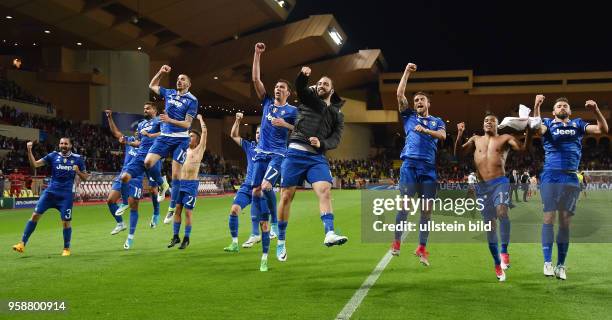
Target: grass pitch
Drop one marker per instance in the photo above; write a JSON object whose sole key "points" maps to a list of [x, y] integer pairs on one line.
{"points": [[102, 280]]}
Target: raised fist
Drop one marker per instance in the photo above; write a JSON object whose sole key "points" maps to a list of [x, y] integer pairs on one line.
{"points": [[29, 145], [199, 117], [108, 112], [306, 71], [411, 67], [260, 47], [539, 100], [461, 126], [590, 105], [165, 68], [239, 115]]}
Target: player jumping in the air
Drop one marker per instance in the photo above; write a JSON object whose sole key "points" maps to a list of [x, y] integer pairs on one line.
{"points": [[493, 192], [65, 165], [418, 171], [188, 193], [131, 150], [318, 128], [244, 195], [277, 121], [560, 189]]}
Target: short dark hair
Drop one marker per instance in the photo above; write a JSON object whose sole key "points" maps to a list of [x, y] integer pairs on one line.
{"points": [[69, 139], [489, 113], [196, 132], [186, 76], [289, 86], [422, 93], [152, 104], [562, 99]]}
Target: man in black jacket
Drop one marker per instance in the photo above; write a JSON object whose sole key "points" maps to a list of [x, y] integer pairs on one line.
{"points": [[318, 128]]}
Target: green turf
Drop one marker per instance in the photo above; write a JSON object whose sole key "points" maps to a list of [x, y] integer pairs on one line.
{"points": [[101, 280]]}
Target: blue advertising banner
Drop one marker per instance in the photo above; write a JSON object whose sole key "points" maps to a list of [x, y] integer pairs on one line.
{"points": [[126, 122], [25, 202]]}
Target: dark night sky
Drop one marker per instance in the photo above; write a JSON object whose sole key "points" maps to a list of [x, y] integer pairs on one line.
{"points": [[495, 37]]}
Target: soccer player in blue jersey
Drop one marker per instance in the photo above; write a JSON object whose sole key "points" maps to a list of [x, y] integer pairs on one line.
{"points": [[560, 189], [490, 153], [65, 165], [244, 195], [277, 121], [189, 183], [181, 108], [148, 131], [418, 171], [318, 128], [131, 150]]}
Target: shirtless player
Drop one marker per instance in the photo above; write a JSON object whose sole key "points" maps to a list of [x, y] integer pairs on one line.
{"points": [[189, 184], [490, 152]]}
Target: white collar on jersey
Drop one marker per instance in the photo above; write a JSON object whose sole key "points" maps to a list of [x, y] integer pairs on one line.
{"points": [[65, 156]]}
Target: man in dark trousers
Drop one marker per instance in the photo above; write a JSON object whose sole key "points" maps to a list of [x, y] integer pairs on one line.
{"points": [[514, 185], [525, 184], [318, 128]]}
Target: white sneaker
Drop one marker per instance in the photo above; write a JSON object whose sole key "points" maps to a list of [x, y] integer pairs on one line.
{"points": [[122, 209], [281, 252], [500, 274], [560, 272], [169, 216], [128, 244], [118, 228], [332, 239], [161, 191], [251, 241], [548, 269], [272, 234]]}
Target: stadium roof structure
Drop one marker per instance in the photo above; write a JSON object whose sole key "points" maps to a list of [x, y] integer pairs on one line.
{"points": [[212, 40]]}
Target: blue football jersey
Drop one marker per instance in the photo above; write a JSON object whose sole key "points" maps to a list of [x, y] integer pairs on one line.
{"points": [[273, 139], [418, 145], [178, 107], [62, 171], [151, 126], [249, 151], [563, 144], [130, 152]]}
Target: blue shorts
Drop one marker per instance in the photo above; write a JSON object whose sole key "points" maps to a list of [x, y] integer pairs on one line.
{"points": [[188, 193], [491, 194], [417, 178], [301, 165], [135, 186], [243, 196], [560, 190], [60, 200], [175, 146], [267, 166]]}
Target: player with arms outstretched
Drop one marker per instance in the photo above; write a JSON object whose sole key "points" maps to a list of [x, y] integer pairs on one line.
{"points": [[560, 189], [244, 195], [418, 171], [65, 165], [277, 121], [493, 192], [188, 193]]}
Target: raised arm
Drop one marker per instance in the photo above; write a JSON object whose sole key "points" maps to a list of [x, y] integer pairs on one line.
{"points": [[519, 146], [33, 162], [602, 124], [536, 111], [111, 124], [402, 101], [203, 135], [235, 133], [154, 84], [461, 150], [256, 73], [305, 94]]}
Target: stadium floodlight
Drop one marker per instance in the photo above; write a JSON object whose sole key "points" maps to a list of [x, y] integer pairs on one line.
{"points": [[333, 33], [281, 3], [9, 17], [47, 31]]}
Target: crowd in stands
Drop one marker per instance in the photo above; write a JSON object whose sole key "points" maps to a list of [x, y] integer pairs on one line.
{"points": [[11, 91]]}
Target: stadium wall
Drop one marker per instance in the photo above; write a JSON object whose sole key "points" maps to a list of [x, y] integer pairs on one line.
{"points": [[19, 132], [29, 108]]}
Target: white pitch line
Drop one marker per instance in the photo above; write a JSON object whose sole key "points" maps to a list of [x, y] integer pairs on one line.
{"points": [[351, 306]]}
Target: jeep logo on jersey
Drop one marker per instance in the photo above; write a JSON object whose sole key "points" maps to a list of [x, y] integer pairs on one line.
{"points": [[63, 167], [175, 102], [269, 117], [568, 132]]}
